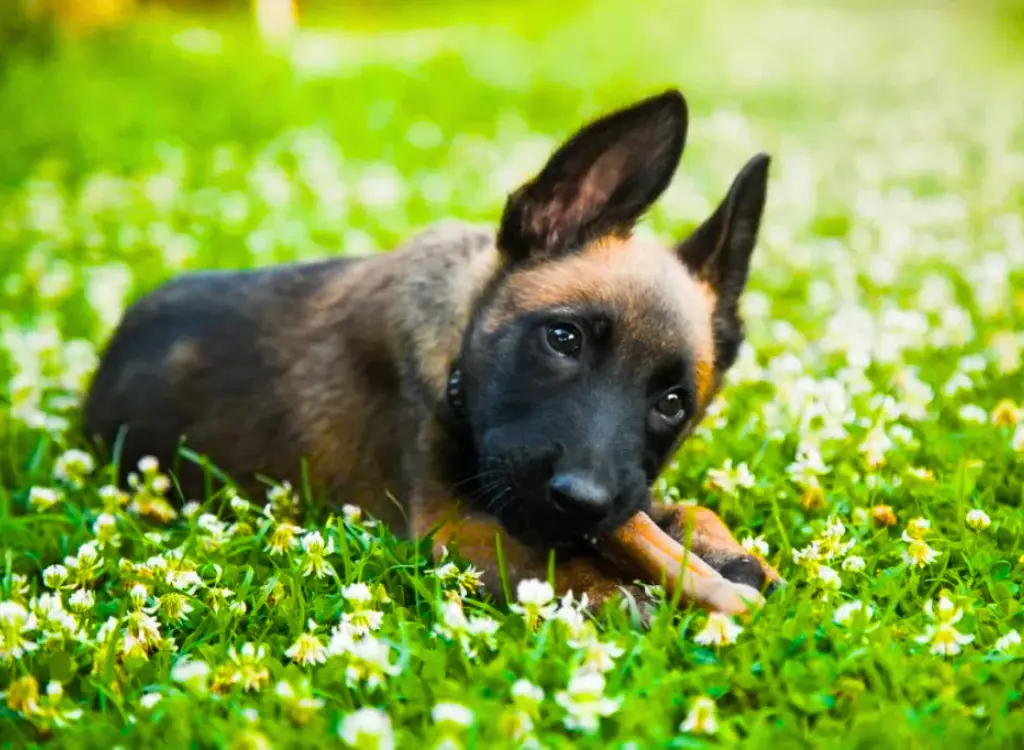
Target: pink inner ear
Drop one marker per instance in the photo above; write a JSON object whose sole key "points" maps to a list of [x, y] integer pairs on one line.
{"points": [[574, 207], [600, 182]]}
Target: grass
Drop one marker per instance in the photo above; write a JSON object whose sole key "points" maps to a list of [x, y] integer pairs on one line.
{"points": [[881, 386]]}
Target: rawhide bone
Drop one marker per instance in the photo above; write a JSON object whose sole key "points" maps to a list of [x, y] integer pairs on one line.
{"points": [[661, 559]]}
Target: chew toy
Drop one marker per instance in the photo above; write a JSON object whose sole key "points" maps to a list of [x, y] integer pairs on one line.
{"points": [[656, 556]]}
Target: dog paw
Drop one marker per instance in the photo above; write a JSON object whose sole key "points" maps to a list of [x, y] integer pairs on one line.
{"points": [[748, 570]]}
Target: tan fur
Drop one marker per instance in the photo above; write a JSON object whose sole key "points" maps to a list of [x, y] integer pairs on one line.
{"points": [[640, 279]]}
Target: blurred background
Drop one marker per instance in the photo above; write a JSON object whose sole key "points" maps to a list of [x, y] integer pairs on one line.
{"points": [[141, 138]]}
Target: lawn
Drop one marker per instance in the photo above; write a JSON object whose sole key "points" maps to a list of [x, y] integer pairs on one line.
{"points": [[871, 438]]}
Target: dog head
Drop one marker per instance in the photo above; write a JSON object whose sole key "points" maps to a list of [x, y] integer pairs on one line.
{"points": [[594, 352]]}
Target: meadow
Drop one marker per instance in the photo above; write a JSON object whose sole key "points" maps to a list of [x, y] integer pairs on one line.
{"points": [[870, 440]]}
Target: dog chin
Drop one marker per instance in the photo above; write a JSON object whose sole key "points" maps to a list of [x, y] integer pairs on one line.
{"points": [[545, 528]]}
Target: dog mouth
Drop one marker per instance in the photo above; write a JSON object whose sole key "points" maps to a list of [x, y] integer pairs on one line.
{"points": [[523, 505]]}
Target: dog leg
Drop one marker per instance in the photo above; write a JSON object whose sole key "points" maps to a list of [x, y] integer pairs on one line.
{"points": [[475, 536], [701, 530]]}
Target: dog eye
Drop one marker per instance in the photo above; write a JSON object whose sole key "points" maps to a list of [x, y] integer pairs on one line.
{"points": [[671, 405], [565, 339]]}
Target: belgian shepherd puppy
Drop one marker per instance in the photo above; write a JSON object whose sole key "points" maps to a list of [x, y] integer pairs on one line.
{"points": [[525, 386]]}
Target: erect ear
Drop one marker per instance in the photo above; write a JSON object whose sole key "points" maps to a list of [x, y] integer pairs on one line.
{"points": [[718, 252], [599, 181]]}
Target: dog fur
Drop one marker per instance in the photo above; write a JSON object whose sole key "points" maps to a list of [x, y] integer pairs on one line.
{"points": [[340, 371]]}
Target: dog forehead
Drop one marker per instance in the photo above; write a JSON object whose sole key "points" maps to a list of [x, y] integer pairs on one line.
{"points": [[650, 294]]}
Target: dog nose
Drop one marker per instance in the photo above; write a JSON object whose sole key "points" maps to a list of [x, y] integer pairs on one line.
{"points": [[579, 493]]}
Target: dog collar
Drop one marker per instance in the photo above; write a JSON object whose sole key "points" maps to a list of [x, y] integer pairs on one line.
{"points": [[456, 399]]}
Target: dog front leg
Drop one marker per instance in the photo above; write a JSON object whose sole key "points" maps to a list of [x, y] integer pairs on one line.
{"points": [[476, 536]]}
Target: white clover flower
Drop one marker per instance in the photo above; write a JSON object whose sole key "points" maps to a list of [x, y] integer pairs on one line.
{"points": [[16, 623], [308, 649], [239, 505], [1017, 441], [526, 694], [248, 668], [41, 499], [828, 577], [847, 612], [85, 565], [807, 467], [54, 576], [919, 554], [535, 601], [357, 594], [756, 545], [466, 581], [973, 414], [452, 714], [902, 434], [193, 674], [52, 620], [82, 600], [598, 655], [105, 529], [284, 538], [175, 607], [148, 465], [730, 480], [875, 446], [972, 364], [1007, 414], [944, 639], [702, 718], [149, 700], [922, 474], [138, 595], [314, 555], [944, 610], [212, 525], [363, 621], [300, 704], [719, 630], [585, 703], [445, 572], [380, 187], [142, 635], [367, 729], [916, 529], [978, 519], [369, 661], [73, 466], [1008, 642], [453, 625], [853, 564], [112, 497], [571, 614]]}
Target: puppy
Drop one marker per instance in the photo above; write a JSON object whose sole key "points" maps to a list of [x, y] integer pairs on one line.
{"points": [[522, 387]]}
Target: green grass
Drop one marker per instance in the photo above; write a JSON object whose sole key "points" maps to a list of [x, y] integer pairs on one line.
{"points": [[889, 272]]}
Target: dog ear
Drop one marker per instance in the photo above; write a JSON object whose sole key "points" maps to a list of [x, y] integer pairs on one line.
{"points": [[599, 181], [719, 250]]}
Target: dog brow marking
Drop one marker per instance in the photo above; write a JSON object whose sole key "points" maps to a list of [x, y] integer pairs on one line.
{"points": [[634, 277]]}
